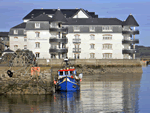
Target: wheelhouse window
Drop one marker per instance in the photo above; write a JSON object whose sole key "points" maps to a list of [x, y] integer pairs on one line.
{"points": [[92, 28], [15, 38], [37, 25], [25, 46], [66, 72], [107, 46], [25, 39], [107, 28], [107, 55], [92, 55], [37, 55], [37, 34], [92, 37], [15, 31], [15, 47], [37, 45], [107, 37], [76, 28], [92, 46], [61, 73]]}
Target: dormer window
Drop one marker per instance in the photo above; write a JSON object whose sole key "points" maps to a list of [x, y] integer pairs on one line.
{"points": [[15, 31], [53, 25], [107, 28], [37, 25], [92, 28], [76, 28]]}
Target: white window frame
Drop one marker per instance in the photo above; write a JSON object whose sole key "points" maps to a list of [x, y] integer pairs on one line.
{"points": [[37, 55], [15, 47], [37, 34], [76, 28], [37, 44], [107, 37], [25, 46], [107, 55], [107, 46], [92, 55], [15, 38], [15, 31], [92, 46], [92, 28], [37, 25], [92, 37], [107, 28], [25, 39], [24, 31]]}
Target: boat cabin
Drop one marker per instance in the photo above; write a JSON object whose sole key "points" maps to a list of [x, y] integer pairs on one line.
{"points": [[66, 72]]}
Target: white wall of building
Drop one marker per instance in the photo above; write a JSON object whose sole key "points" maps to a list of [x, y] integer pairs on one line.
{"points": [[80, 15]]}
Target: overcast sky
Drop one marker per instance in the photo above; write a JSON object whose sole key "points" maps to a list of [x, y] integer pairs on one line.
{"points": [[13, 11]]}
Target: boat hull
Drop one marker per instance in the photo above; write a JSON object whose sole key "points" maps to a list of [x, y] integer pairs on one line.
{"points": [[68, 84]]}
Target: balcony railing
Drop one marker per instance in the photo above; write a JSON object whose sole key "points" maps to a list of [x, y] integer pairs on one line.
{"points": [[130, 41], [76, 40], [76, 50], [128, 51], [58, 50], [132, 32], [55, 39], [59, 29]]}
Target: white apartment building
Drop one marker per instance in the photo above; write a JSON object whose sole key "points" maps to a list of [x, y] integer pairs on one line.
{"points": [[75, 33]]}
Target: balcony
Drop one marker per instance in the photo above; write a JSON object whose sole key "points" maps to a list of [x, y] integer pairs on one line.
{"points": [[76, 50], [54, 39], [128, 51], [58, 50], [76, 40], [59, 29], [131, 32], [136, 41]]}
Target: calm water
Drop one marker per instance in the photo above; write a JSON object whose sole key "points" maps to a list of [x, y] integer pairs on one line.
{"points": [[117, 93]]}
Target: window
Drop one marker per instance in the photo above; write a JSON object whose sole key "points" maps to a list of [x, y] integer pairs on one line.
{"points": [[107, 28], [125, 56], [15, 38], [37, 34], [107, 55], [53, 25], [92, 37], [92, 55], [76, 36], [15, 31], [76, 56], [25, 46], [24, 31], [37, 55], [25, 39], [37, 45], [107, 37], [92, 46], [92, 28], [15, 47], [37, 25], [107, 46], [76, 28]]}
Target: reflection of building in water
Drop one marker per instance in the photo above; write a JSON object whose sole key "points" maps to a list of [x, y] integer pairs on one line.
{"points": [[110, 93]]}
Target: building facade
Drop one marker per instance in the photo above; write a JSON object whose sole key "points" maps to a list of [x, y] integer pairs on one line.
{"points": [[75, 33]]}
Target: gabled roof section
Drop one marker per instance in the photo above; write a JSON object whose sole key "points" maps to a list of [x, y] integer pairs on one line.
{"points": [[4, 34], [85, 12], [59, 17], [22, 25], [41, 17], [93, 21], [130, 21]]}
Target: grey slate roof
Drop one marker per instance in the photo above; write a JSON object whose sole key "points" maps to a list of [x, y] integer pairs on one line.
{"points": [[22, 25], [130, 21], [58, 16], [93, 21], [4, 34], [68, 12], [41, 17]]}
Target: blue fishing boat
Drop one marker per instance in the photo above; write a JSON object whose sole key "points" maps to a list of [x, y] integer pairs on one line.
{"points": [[67, 79]]}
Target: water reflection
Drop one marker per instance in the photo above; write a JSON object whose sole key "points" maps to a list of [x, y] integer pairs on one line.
{"points": [[99, 93]]}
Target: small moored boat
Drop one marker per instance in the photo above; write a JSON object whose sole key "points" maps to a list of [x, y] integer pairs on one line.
{"points": [[67, 79]]}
